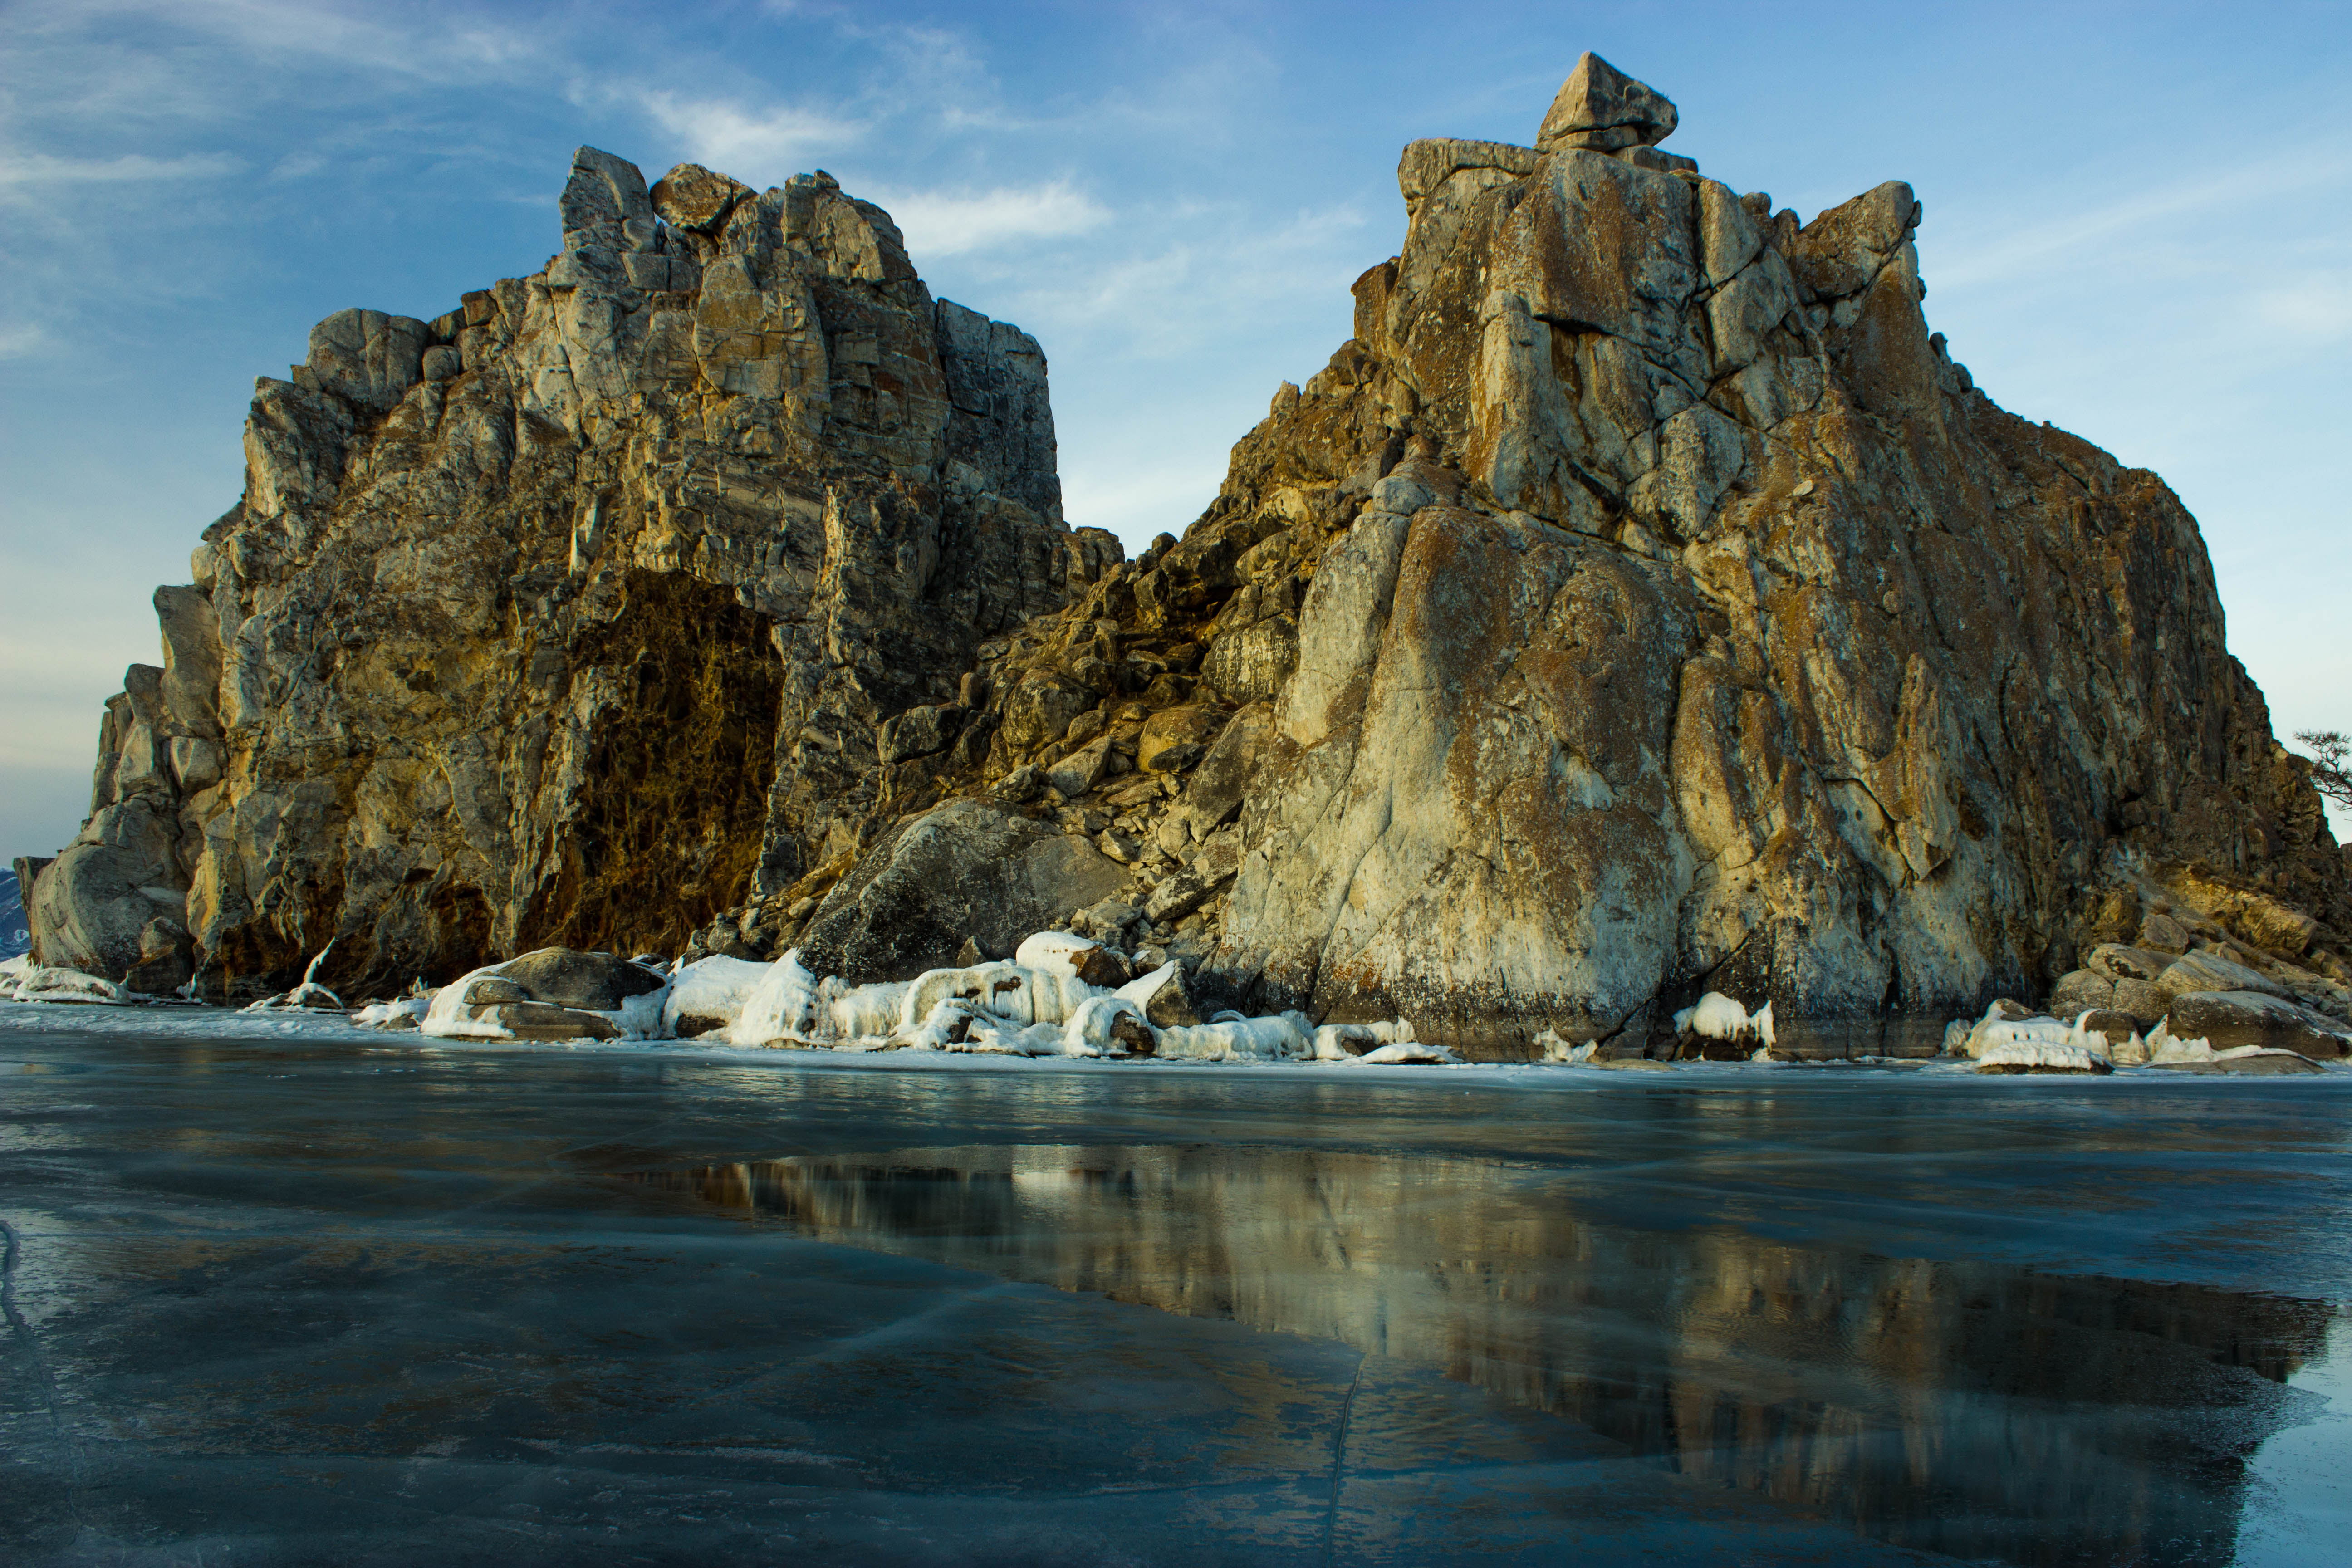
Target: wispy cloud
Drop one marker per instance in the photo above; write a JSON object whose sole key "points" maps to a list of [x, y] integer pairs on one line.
{"points": [[2316, 306], [1997, 250], [418, 42], [22, 170], [938, 222], [756, 145]]}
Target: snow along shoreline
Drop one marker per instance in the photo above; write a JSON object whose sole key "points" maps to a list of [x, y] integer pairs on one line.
{"points": [[32, 1021], [1039, 1006]]}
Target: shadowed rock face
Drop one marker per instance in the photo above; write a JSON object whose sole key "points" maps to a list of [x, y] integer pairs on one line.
{"points": [[571, 617]]}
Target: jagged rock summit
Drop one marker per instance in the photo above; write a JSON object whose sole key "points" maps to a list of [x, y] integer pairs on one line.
{"points": [[1601, 108], [1642, 603], [569, 617]]}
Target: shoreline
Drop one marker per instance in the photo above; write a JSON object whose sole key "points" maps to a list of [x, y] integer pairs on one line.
{"points": [[227, 1027]]}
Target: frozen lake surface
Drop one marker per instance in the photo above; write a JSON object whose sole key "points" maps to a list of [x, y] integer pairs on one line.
{"points": [[280, 1292]]}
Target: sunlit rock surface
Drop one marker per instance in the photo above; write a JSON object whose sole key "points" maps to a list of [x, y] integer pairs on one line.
{"points": [[570, 616], [1642, 604], [1647, 603]]}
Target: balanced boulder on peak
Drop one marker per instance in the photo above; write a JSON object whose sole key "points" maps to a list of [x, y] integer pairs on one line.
{"points": [[1602, 109]]}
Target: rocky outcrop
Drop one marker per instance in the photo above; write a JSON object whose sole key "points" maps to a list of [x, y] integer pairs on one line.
{"points": [[571, 616], [1645, 603], [1642, 604]]}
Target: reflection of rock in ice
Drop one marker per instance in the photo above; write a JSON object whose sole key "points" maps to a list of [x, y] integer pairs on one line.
{"points": [[1976, 1410]]}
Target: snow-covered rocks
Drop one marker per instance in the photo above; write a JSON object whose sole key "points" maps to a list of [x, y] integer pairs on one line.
{"points": [[709, 994], [1383, 1044], [552, 994], [1723, 1029], [486, 1005], [2000, 1042], [70, 985], [2234, 1018], [2175, 1053], [309, 996], [2032, 1055], [404, 1014], [1076, 957], [15, 970], [2259, 1034], [1231, 1038]]}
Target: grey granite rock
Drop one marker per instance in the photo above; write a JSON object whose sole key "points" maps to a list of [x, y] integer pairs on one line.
{"points": [[1601, 108]]}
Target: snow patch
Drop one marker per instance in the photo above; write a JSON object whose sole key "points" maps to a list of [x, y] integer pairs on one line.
{"points": [[2046, 1056], [1402, 1051], [1054, 951], [716, 987], [1719, 1017], [390, 1015], [70, 985]]}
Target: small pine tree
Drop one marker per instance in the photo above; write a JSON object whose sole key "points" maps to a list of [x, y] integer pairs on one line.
{"points": [[2331, 769]]}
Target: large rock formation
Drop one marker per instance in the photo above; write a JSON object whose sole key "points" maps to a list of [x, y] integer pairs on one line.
{"points": [[1642, 603], [571, 617]]}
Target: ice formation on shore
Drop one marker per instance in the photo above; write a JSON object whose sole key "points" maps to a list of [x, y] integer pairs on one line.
{"points": [[1040, 1004], [1720, 1017]]}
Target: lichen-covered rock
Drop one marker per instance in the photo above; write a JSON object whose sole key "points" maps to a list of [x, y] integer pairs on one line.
{"points": [[1644, 603], [966, 870], [626, 594], [2229, 1019], [2210, 971], [1601, 108], [2080, 991], [1640, 604]]}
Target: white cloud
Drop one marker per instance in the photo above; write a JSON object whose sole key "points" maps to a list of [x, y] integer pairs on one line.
{"points": [[20, 171], [20, 340], [1995, 247], [937, 223], [759, 147], [2316, 306]]}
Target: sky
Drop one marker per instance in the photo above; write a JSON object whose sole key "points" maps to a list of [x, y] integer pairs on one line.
{"points": [[2138, 227]]}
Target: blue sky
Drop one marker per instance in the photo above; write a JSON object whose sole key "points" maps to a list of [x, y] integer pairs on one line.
{"points": [[2138, 227]]}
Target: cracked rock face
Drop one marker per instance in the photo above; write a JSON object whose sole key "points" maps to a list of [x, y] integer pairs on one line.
{"points": [[569, 619], [1642, 603]]}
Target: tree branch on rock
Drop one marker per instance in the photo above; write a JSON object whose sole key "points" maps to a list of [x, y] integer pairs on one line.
{"points": [[2331, 768]]}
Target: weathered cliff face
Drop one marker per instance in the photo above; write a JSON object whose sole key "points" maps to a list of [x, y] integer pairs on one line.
{"points": [[570, 617], [1644, 603]]}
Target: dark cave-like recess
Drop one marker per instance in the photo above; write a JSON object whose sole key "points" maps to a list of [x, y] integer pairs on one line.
{"points": [[676, 793]]}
